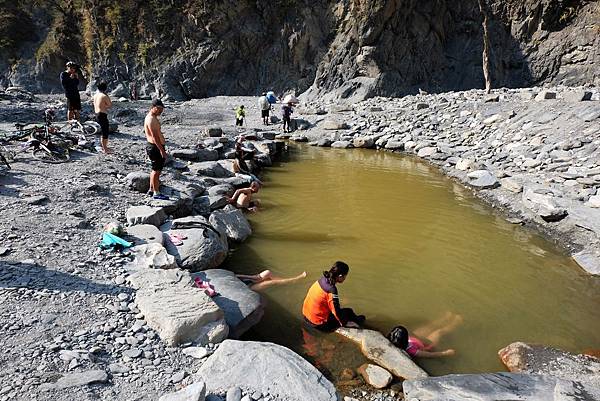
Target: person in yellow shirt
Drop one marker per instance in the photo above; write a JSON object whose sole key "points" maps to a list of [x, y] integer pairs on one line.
{"points": [[240, 115]]}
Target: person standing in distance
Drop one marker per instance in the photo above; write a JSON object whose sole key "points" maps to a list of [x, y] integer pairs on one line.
{"points": [[69, 80], [265, 107], [101, 105], [155, 148]]}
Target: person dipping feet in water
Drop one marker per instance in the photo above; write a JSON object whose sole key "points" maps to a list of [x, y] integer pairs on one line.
{"points": [[242, 198], [321, 308], [423, 348], [155, 148], [266, 279]]}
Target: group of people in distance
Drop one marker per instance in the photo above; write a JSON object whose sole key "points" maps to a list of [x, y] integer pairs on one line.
{"points": [[265, 104]]}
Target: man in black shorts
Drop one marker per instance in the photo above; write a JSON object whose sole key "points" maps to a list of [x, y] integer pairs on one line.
{"points": [[69, 80], [101, 105], [155, 148]]}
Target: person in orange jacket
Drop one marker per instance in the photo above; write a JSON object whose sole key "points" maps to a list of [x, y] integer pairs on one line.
{"points": [[321, 308]]}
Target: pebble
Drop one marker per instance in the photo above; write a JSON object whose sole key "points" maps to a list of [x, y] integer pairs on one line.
{"points": [[177, 377]]}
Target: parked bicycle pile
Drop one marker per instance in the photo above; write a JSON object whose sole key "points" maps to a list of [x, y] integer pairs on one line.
{"points": [[49, 142]]}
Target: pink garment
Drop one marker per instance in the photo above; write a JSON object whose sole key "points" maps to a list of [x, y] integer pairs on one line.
{"points": [[414, 346]]}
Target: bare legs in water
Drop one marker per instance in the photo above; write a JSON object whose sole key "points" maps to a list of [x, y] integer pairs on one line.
{"points": [[434, 331], [266, 279]]}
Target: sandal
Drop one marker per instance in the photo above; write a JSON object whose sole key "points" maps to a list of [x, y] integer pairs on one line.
{"points": [[208, 288]]}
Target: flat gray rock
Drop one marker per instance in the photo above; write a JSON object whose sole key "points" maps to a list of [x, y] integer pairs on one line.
{"points": [[154, 256], [589, 261], [144, 234], [145, 215], [380, 350], [77, 380], [427, 151], [185, 154], [266, 368], [204, 246], [341, 144], [543, 204], [232, 222], [498, 386], [138, 181], [210, 169], [520, 357], [482, 179], [177, 310], [193, 392], [221, 190], [375, 375], [243, 307]]}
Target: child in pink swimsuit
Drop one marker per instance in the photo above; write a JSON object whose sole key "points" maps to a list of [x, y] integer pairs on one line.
{"points": [[414, 346]]}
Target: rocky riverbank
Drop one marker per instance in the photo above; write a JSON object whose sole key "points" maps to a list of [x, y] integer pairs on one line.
{"points": [[535, 153], [80, 323]]}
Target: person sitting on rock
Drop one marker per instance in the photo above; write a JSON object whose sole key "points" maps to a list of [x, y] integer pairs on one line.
{"points": [[240, 114], [266, 279], [416, 347], [242, 198], [321, 308]]}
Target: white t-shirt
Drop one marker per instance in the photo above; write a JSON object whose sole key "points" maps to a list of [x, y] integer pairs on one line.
{"points": [[263, 103]]}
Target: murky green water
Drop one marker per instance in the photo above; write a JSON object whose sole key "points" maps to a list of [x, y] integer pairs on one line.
{"points": [[418, 245]]}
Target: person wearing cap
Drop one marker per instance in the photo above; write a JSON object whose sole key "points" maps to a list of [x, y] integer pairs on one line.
{"points": [[155, 148], [265, 107], [69, 80]]}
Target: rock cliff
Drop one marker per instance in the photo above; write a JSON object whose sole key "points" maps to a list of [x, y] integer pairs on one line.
{"points": [[339, 48]]}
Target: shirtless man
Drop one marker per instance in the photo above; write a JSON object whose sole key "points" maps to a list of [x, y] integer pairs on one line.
{"points": [[242, 198], [155, 148], [101, 105]]}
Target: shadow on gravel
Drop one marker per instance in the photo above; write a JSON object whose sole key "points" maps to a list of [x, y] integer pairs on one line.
{"points": [[11, 178], [38, 277]]}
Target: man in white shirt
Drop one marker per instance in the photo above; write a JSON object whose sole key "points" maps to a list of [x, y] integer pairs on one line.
{"points": [[265, 107]]}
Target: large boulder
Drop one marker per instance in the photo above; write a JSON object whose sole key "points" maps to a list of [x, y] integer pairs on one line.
{"points": [[266, 368], [175, 309], [145, 215], [520, 357], [243, 307], [232, 222], [498, 386], [196, 155], [380, 350], [210, 169], [204, 247]]}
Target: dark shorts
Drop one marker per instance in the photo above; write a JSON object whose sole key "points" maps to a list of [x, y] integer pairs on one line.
{"points": [[347, 314], [158, 162], [102, 119], [239, 121], [74, 103], [265, 113]]}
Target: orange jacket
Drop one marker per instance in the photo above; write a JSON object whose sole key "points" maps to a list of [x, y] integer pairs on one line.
{"points": [[321, 301]]}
